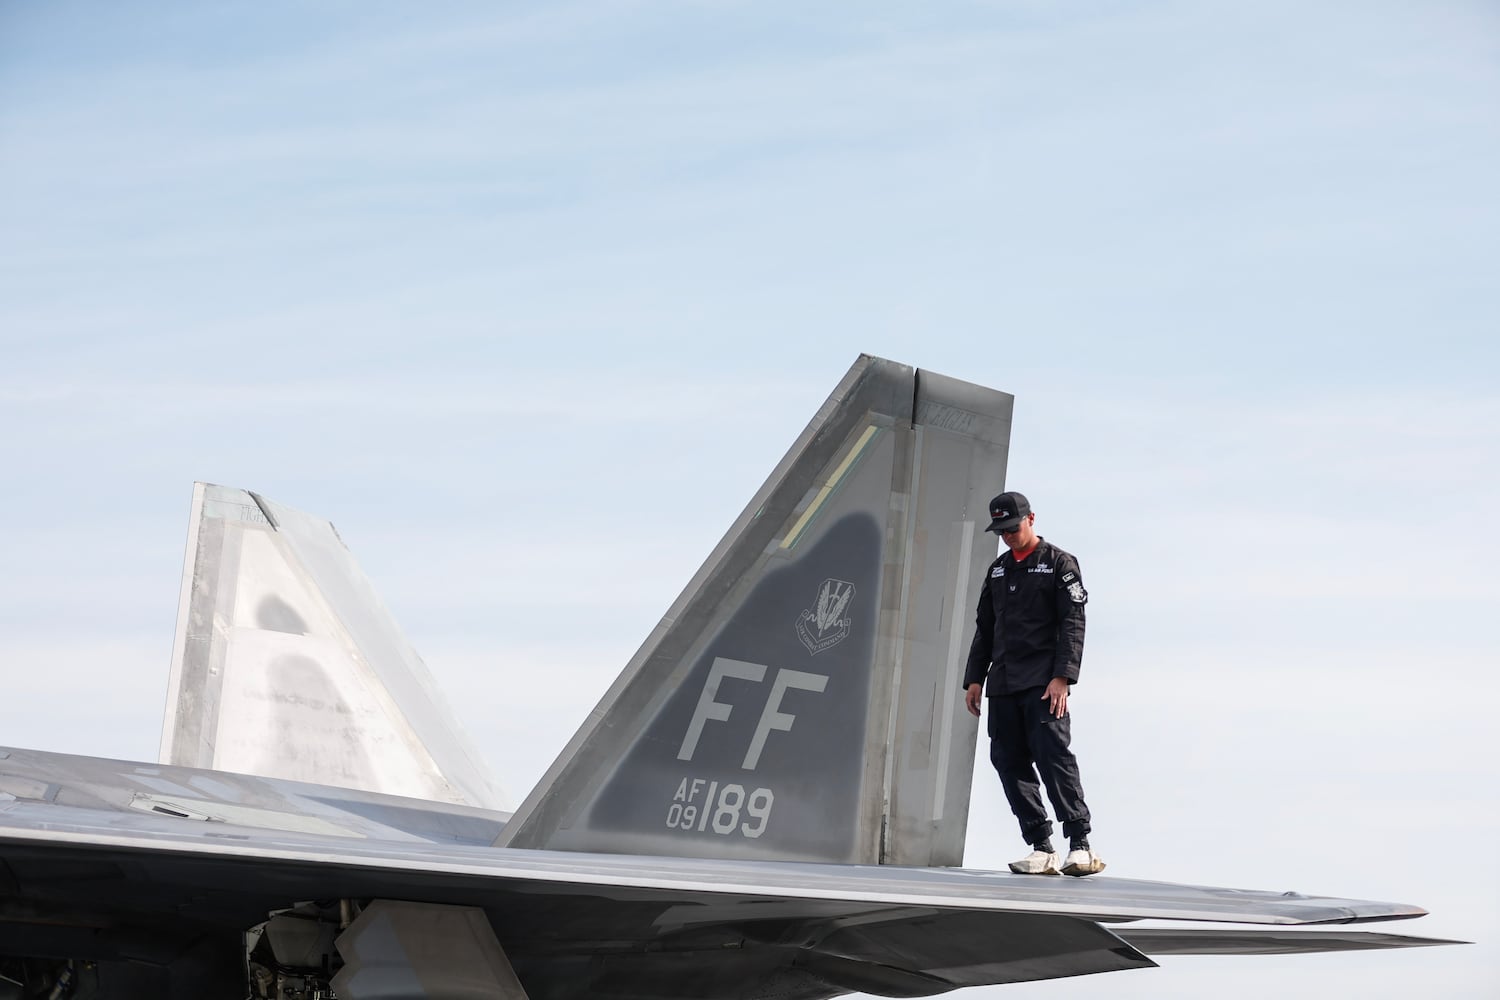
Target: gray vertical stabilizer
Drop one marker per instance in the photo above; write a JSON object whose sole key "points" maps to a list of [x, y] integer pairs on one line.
{"points": [[287, 665], [801, 699]]}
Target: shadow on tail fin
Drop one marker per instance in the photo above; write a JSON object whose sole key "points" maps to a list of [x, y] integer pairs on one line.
{"points": [[801, 699], [287, 665]]}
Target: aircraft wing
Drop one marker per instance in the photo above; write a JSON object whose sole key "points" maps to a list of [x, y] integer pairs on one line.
{"points": [[111, 886], [423, 865]]}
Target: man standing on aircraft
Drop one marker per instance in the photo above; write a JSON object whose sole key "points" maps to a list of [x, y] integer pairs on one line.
{"points": [[1026, 652]]}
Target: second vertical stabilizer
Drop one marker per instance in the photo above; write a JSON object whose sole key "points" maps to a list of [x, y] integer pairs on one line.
{"points": [[287, 665]]}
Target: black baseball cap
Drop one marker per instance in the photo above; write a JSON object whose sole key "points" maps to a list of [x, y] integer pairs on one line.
{"points": [[1007, 510]]}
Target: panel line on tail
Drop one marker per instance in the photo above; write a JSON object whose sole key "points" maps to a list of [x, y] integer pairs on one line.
{"points": [[898, 650], [951, 676], [837, 477]]}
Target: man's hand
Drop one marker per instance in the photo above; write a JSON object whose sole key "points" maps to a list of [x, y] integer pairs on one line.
{"points": [[1057, 694], [972, 696]]}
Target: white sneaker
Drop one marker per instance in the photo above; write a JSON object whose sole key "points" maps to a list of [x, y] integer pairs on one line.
{"points": [[1036, 863], [1081, 863]]}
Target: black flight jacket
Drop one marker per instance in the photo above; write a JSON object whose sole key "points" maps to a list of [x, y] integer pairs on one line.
{"points": [[1030, 623]]}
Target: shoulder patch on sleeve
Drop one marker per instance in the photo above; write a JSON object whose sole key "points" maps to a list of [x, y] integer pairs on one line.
{"points": [[1077, 594], [1069, 577]]}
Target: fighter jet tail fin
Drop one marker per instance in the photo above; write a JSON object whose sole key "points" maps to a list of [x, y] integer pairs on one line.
{"points": [[801, 698], [287, 665]]}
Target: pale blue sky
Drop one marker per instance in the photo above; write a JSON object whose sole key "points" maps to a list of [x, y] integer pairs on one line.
{"points": [[458, 276]]}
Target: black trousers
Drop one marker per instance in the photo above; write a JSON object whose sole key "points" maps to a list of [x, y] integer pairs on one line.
{"points": [[1025, 739]]}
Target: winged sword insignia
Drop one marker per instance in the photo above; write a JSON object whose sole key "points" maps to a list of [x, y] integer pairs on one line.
{"points": [[824, 624]]}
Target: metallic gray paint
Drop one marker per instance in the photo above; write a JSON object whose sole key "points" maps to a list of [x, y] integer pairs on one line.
{"points": [[876, 765], [79, 806], [814, 768], [89, 877], [1239, 941], [286, 664], [840, 598]]}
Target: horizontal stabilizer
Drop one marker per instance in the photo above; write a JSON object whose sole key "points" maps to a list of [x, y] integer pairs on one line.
{"points": [[1264, 941]]}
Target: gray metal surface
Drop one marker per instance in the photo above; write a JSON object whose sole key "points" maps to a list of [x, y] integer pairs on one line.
{"points": [[134, 890], [799, 700], [43, 807], [96, 878], [960, 446], [286, 664], [1239, 941], [122, 791]]}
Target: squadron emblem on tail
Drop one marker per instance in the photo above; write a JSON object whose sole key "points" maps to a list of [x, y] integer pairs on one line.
{"points": [[824, 625]]}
